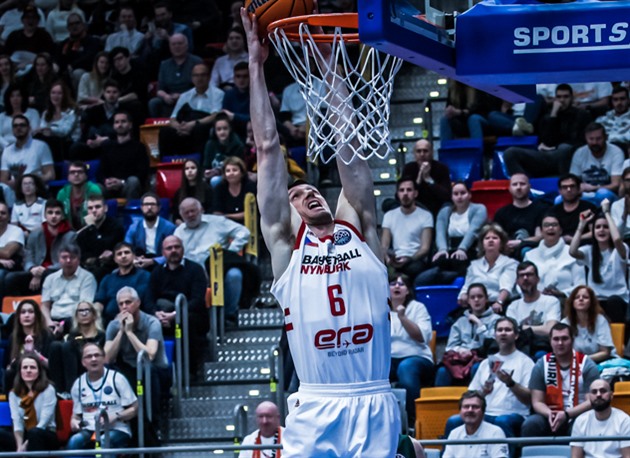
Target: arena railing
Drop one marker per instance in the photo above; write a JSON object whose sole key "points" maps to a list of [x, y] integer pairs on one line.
{"points": [[276, 378], [102, 429], [240, 425], [143, 391], [182, 351]]}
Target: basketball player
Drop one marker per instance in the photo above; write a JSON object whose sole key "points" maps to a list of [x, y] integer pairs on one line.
{"points": [[332, 285]]}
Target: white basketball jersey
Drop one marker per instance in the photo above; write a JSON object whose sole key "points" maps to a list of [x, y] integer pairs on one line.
{"points": [[334, 294]]}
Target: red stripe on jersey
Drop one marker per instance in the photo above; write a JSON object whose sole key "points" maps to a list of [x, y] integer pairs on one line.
{"points": [[287, 312], [351, 227], [288, 327], [299, 235]]}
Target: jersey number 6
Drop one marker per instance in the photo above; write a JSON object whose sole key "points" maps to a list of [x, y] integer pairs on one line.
{"points": [[337, 305]]}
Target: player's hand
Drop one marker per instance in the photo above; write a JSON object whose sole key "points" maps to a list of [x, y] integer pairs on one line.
{"points": [[258, 52]]}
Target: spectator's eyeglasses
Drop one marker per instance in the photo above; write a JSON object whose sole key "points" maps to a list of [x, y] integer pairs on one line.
{"points": [[20, 124], [84, 311], [397, 283], [76, 172]]}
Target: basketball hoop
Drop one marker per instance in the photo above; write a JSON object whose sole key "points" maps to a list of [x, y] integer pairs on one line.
{"points": [[362, 81]]}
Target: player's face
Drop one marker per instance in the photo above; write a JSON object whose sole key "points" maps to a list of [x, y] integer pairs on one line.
{"points": [[527, 279], [519, 186], [596, 141], [123, 257], [601, 230], [600, 395], [582, 301], [310, 204], [423, 151], [471, 411], [407, 193], [561, 343], [504, 333], [54, 216], [569, 190], [477, 300], [460, 195], [620, 103]]}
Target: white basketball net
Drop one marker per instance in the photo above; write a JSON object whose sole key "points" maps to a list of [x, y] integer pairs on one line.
{"points": [[347, 107]]}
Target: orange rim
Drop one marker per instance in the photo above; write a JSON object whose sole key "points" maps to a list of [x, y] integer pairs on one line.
{"points": [[346, 20]]}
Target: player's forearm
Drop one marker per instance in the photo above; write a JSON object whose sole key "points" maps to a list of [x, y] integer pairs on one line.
{"points": [[263, 119]]}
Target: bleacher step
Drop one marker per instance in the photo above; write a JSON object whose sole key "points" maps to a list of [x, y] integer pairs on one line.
{"points": [[232, 391], [215, 408], [262, 318], [241, 371], [210, 428]]}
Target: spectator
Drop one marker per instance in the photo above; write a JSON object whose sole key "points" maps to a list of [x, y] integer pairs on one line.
{"points": [[11, 247], [472, 408], [98, 238], [620, 209], [223, 143], [26, 155], [193, 116], [193, 185], [11, 19], [131, 78], [28, 211], [199, 232], [432, 178], [466, 337], [465, 109], [29, 335], [606, 260], [202, 17], [86, 328], [38, 80], [568, 211], [64, 289], [131, 332], [591, 330], [146, 234], [15, 103], [616, 122], [235, 51], [557, 269], [534, 312], [560, 133], [592, 97], [42, 250], [127, 35], [31, 37], [236, 100], [407, 232], [59, 124], [174, 77], [494, 269], [559, 384], [412, 358], [602, 420], [108, 390], [521, 219], [176, 276], [76, 51], [456, 232], [32, 402], [7, 76], [599, 165], [269, 431], [74, 195], [231, 191], [503, 379], [126, 274], [124, 168], [293, 115], [92, 84], [57, 19]]}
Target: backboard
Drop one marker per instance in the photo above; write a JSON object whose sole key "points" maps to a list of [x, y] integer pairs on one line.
{"points": [[504, 47]]}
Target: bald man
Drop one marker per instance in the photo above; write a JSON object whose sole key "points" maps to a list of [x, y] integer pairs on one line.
{"points": [[269, 431], [432, 178]]}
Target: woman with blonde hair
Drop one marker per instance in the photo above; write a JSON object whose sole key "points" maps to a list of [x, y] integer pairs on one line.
{"points": [[91, 84]]}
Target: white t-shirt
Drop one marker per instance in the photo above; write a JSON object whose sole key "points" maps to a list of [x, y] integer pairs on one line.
{"points": [[501, 400], [250, 439], [12, 234], [29, 216], [458, 225], [597, 171], [407, 229], [150, 233], [403, 345], [556, 267], [546, 308], [616, 211], [590, 92], [589, 343], [587, 424], [485, 431], [31, 158], [613, 270]]}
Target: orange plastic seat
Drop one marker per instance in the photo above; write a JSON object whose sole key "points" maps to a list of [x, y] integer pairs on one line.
{"points": [[434, 407], [10, 303], [618, 331], [65, 412]]}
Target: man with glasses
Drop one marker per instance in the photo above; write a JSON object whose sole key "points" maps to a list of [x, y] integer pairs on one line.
{"points": [[41, 255], [146, 234], [193, 116], [74, 195], [568, 211], [26, 155], [77, 51], [100, 387]]}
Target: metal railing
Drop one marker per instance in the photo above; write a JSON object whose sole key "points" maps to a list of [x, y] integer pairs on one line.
{"points": [[276, 379], [182, 351], [143, 391], [240, 425], [97, 430]]}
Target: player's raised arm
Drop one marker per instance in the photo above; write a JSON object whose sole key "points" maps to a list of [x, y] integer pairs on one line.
{"points": [[273, 199]]}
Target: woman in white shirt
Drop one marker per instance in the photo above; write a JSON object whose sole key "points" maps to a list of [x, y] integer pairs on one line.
{"points": [[59, 126], [91, 84], [412, 358], [607, 262], [593, 336]]}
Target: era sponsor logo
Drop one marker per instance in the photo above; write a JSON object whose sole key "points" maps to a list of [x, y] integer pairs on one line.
{"points": [[344, 337], [579, 37]]}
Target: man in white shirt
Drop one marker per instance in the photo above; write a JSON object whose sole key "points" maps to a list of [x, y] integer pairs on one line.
{"points": [[127, 36], [200, 232], [617, 121], [535, 311], [193, 116], [603, 420], [407, 232], [599, 164], [269, 431], [472, 407]]}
